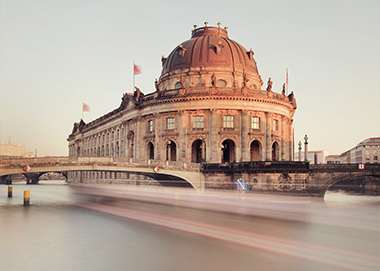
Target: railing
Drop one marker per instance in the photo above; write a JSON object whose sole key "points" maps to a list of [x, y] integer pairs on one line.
{"points": [[100, 160], [345, 167], [279, 166], [204, 91]]}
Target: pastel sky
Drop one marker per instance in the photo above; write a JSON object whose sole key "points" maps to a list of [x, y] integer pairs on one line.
{"points": [[55, 55]]}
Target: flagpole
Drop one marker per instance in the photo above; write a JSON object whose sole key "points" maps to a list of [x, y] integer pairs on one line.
{"points": [[133, 89], [287, 81], [82, 111]]}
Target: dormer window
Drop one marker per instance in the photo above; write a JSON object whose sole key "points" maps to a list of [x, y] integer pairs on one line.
{"points": [[219, 48], [181, 50], [250, 54]]}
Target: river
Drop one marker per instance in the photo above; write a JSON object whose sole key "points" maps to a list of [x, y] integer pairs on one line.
{"points": [[177, 230]]}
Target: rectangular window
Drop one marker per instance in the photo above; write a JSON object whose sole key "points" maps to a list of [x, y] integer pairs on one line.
{"points": [[198, 122], [275, 125], [255, 123], [170, 125], [150, 125], [228, 121]]}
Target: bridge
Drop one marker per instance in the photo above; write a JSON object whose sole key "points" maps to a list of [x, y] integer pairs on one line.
{"points": [[274, 176], [168, 173]]}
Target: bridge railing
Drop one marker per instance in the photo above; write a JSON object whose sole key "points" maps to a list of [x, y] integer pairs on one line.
{"points": [[345, 167], [96, 159]]}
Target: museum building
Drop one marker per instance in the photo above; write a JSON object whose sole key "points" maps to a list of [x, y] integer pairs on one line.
{"points": [[209, 106]]}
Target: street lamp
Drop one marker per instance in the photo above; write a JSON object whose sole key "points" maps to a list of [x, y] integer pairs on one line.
{"points": [[203, 148], [169, 150]]}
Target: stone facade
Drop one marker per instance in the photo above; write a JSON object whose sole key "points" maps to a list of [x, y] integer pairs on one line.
{"points": [[209, 106]]}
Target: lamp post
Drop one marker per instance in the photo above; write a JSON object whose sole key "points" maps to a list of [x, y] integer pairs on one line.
{"points": [[299, 151], [306, 145], [169, 150], [203, 149]]}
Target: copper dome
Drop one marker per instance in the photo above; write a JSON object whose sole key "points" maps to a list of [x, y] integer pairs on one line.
{"points": [[210, 47], [211, 51]]}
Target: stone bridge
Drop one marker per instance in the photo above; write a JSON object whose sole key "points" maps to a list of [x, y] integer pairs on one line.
{"points": [[290, 177], [170, 173]]}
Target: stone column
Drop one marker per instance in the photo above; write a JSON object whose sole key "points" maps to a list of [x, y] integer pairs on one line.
{"points": [[306, 145], [139, 148], [291, 140], [283, 138], [268, 136], [182, 131], [157, 138], [244, 129], [213, 152]]}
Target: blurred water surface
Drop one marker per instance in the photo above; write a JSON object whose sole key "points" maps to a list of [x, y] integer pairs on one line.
{"points": [[59, 232]]}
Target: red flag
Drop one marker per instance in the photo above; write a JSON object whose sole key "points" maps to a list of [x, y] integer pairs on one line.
{"points": [[287, 79], [136, 69], [86, 108]]}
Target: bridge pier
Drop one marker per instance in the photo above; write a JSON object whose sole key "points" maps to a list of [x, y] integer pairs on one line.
{"points": [[32, 178], [5, 179]]}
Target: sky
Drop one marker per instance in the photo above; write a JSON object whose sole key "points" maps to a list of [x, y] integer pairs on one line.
{"points": [[56, 55]]}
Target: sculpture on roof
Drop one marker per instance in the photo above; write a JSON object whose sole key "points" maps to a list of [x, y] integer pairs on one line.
{"points": [[270, 83]]}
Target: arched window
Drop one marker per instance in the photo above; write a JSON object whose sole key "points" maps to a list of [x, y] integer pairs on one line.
{"points": [[198, 151], [150, 150], [171, 151], [275, 151], [228, 151], [255, 150]]}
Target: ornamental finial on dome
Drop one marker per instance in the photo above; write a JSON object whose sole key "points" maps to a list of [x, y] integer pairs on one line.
{"points": [[219, 24], [206, 23], [195, 26]]}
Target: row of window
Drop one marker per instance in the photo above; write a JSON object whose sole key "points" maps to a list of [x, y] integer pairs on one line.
{"points": [[228, 122]]}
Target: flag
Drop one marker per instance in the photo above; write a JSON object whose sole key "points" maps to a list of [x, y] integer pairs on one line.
{"points": [[136, 69], [86, 108], [287, 80]]}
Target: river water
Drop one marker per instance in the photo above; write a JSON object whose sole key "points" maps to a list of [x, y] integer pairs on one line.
{"points": [[62, 230]]}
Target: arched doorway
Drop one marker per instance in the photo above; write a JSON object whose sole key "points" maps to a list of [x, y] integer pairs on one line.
{"points": [[171, 151], [255, 150], [228, 151], [198, 154], [150, 150], [275, 151]]}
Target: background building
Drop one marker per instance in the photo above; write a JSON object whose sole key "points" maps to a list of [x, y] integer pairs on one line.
{"points": [[209, 106], [366, 151], [9, 150], [314, 157]]}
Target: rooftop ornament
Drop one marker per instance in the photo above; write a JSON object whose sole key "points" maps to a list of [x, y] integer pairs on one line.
{"points": [[206, 23], [219, 24]]}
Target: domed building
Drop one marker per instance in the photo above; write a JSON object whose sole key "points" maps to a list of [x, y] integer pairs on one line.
{"points": [[209, 106]]}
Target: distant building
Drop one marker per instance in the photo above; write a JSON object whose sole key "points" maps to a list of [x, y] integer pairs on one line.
{"points": [[366, 151], [314, 157], [333, 159], [13, 151]]}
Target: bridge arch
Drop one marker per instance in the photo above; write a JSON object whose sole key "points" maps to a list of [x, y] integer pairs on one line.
{"points": [[327, 185]]}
